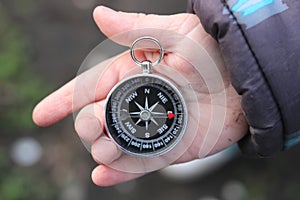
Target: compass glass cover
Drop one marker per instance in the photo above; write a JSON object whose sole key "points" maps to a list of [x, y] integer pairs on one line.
{"points": [[145, 115]]}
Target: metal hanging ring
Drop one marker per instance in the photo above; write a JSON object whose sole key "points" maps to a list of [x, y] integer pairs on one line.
{"points": [[139, 63]]}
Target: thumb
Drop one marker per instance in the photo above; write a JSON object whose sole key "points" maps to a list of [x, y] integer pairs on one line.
{"points": [[129, 26]]}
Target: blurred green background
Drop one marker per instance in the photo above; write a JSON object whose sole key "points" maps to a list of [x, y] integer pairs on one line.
{"points": [[42, 44]]}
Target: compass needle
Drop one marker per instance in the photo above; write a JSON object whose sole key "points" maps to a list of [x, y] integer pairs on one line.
{"points": [[154, 121], [152, 107], [158, 113], [146, 103], [134, 113], [139, 106], [147, 125], [138, 121]]}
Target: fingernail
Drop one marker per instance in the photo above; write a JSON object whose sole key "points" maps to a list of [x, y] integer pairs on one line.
{"points": [[102, 9]]}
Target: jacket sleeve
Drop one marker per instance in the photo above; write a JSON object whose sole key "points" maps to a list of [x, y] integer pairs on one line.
{"points": [[260, 44]]}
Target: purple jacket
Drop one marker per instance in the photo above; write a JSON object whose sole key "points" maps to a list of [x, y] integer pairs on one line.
{"points": [[260, 43]]}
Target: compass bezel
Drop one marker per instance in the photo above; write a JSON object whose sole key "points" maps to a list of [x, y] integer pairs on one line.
{"points": [[168, 147]]}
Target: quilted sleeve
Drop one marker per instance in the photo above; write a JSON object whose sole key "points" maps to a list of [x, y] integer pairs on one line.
{"points": [[260, 44]]}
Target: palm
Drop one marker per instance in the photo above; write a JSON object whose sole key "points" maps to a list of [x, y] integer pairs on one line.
{"points": [[216, 103]]}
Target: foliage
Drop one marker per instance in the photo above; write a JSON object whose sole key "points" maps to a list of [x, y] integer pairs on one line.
{"points": [[21, 183], [20, 89]]}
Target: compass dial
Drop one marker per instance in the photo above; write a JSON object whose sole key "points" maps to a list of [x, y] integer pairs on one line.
{"points": [[145, 115]]}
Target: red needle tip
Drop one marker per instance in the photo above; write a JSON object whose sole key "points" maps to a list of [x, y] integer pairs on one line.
{"points": [[171, 115]]}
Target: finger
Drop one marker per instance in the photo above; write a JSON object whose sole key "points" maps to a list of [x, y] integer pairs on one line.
{"points": [[113, 23], [105, 151], [105, 176], [180, 34], [89, 122], [93, 85]]}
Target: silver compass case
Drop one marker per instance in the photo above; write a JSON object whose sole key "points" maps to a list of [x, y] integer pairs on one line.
{"points": [[145, 114]]}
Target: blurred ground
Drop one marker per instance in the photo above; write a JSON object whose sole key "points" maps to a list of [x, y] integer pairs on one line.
{"points": [[45, 43]]}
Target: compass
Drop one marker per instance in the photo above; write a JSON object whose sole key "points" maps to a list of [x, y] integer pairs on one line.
{"points": [[145, 114]]}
